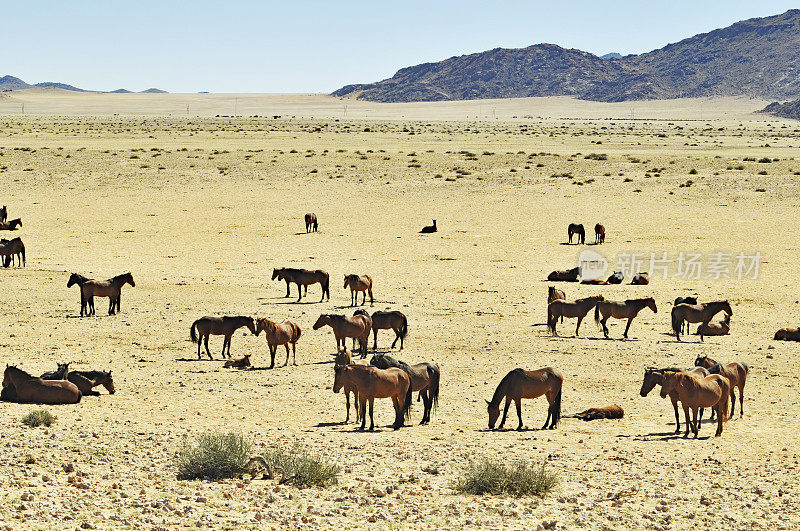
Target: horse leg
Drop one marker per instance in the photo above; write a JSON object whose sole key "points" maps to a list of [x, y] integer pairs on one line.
{"points": [[300, 291], [375, 339], [371, 298], [578, 327], [741, 401], [199, 341], [687, 419], [549, 414], [733, 401], [625, 335], [226, 342], [605, 328], [396, 337], [427, 400], [519, 412], [347, 404], [362, 405], [695, 424], [287, 355], [719, 421], [294, 354], [677, 417], [505, 412], [363, 297], [272, 352], [111, 306], [206, 344], [371, 414], [90, 304], [287, 287]]}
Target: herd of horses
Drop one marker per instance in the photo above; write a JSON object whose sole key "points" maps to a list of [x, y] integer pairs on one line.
{"points": [[13, 248]]}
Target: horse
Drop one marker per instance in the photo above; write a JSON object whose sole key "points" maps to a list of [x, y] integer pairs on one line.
{"points": [[371, 383], [695, 393], [238, 363], [571, 275], [621, 310], [343, 327], [722, 328], [303, 278], [94, 378], [594, 282], [11, 248], [424, 378], [596, 413], [576, 228], [219, 326], [577, 308], [358, 283], [787, 334], [696, 313], [616, 278], [27, 388], [279, 334], [62, 369], [519, 384], [685, 300], [3, 213], [553, 294], [736, 373], [653, 376], [10, 225], [640, 279], [111, 288], [343, 358], [311, 222], [394, 320], [429, 229], [599, 234]]}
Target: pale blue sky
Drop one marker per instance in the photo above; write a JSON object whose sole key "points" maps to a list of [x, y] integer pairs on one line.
{"points": [[315, 46]]}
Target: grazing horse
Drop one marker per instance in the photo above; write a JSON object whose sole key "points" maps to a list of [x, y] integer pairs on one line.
{"points": [[616, 278], [571, 275], [519, 384], [722, 328], [424, 378], [218, 326], [576, 228], [371, 383], [343, 358], [303, 278], [279, 334], [577, 308], [787, 334], [394, 320], [599, 234], [238, 363], [3, 213], [640, 279], [621, 310], [343, 327], [553, 294], [653, 377], [695, 393], [311, 222], [27, 388], [696, 313], [111, 288], [11, 248], [358, 283], [736, 373], [685, 300], [429, 229], [10, 225]]}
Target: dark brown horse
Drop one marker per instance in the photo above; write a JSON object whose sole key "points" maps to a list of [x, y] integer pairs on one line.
{"points": [[621, 310], [27, 388], [640, 279], [394, 320], [303, 278], [3, 213], [10, 249], [218, 326], [696, 313], [787, 334], [616, 278], [653, 377], [519, 384], [695, 393], [576, 229], [111, 288], [371, 383], [596, 413], [424, 378], [599, 234], [429, 229], [343, 327], [84, 380], [736, 373], [577, 308], [570, 275], [311, 222], [10, 225]]}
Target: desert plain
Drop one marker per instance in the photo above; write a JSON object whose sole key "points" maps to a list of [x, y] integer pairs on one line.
{"points": [[201, 204]]}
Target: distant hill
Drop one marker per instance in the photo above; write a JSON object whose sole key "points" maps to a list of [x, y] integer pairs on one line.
{"points": [[121, 91], [612, 55], [790, 109], [62, 86], [759, 58], [15, 83], [12, 83], [154, 91]]}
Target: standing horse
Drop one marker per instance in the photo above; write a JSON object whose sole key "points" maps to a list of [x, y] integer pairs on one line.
{"points": [[654, 376], [10, 225], [279, 334], [621, 310], [27, 388], [735, 372], [599, 234], [570, 275], [371, 383], [358, 283], [311, 222], [577, 308], [11, 248], [303, 278], [696, 313], [695, 393], [685, 300], [576, 228], [553, 294], [424, 378], [343, 358], [519, 384], [394, 320], [218, 326], [3, 213], [343, 327], [111, 288]]}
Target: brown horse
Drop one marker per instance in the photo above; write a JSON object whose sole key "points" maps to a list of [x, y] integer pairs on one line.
{"points": [[519, 384], [787, 334], [303, 278], [576, 228], [371, 383], [343, 327], [695, 393], [735, 372], [393, 320], [553, 294], [11, 248], [10, 225], [599, 234], [596, 413], [238, 363], [570, 275], [219, 326], [111, 288], [577, 308], [696, 313], [279, 334], [640, 279], [358, 283], [94, 378], [3, 213], [621, 310], [594, 282], [311, 222], [616, 278], [687, 300], [424, 378], [722, 328], [429, 229], [27, 388], [343, 358], [653, 377]]}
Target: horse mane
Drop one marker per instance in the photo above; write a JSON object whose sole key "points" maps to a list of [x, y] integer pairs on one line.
{"points": [[499, 392], [122, 276]]}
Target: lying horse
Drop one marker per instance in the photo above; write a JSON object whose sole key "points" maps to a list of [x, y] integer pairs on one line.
{"points": [[594, 282], [577, 308], [787, 334], [595, 413], [84, 380], [570, 275], [576, 228], [424, 378], [10, 225], [722, 328], [653, 377], [696, 313], [279, 334], [238, 363], [429, 229], [343, 327], [218, 326], [735, 372], [303, 278], [599, 234], [371, 383], [696, 393], [621, 310], [11, 248], [27, 388], [111, 288], [616, 278], [640, 279], [394, 320], [311, 222], [358, 283], [519, 384]]}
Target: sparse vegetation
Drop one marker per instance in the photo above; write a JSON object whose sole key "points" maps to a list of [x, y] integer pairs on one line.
{"points": [[39, 417], [301, 468], [516, 479], [213, 455]]}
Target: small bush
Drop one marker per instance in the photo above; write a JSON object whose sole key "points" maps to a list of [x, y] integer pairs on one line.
{"points": [[517, 479], [39, 417], [300, 468], [693, 172], [213, 455]]}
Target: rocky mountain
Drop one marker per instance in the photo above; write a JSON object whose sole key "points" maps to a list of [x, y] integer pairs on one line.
{"points": [[759, 58], [8, 83], [790, 109], [612, 55], [12, 83]]}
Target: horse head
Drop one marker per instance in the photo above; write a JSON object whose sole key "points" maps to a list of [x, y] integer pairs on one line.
{"points": [[651, 303], [649, 381], [346, 280], [780, 334], [129, 279], [338, 379], [251, 325], [322, 320], [727, 307], [702, 361], [109, 383], [668, 383], [494, 413], [277, 273]]}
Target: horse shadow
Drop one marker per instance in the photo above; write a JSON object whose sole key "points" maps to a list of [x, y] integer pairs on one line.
{"points": [[195, 359]]}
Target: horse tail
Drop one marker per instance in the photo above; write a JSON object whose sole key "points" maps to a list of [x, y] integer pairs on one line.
{"points": [[725, 387], [597, 314], [433, 388], [676, 322], [325, 282], [403, 327], [555, 410], [193, 332], [22, 250], [408, 401]]}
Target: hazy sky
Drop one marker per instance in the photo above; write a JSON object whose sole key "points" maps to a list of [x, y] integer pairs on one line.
{"points": [[315, 46]]}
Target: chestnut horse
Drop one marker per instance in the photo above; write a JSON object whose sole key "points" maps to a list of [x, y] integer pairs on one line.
{"points": [[696, 313], [686, 300], [358, 283], [519, 384], [343, 327], [218, 326], [576, 228], [787, 334], [621, 310], [10, 225], [238, 363], [111, 288], [577, 308], [343, 358], [599, 234], [424, 378], [653, 376], [723, 328], [371, 383], [27, 388], [11, 248], [279, 334], [736, 373], [311, 222], [571, 275], [84, 380], [640, 279], [303, 278], [695, 393]]}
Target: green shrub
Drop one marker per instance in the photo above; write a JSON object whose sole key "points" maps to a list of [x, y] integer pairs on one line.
{"points": [[300, 468], [515, 479], [213, 455], [39, 417]]}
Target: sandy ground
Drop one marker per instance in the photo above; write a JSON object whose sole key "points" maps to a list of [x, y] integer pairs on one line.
{"points": [[201, 209]]}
